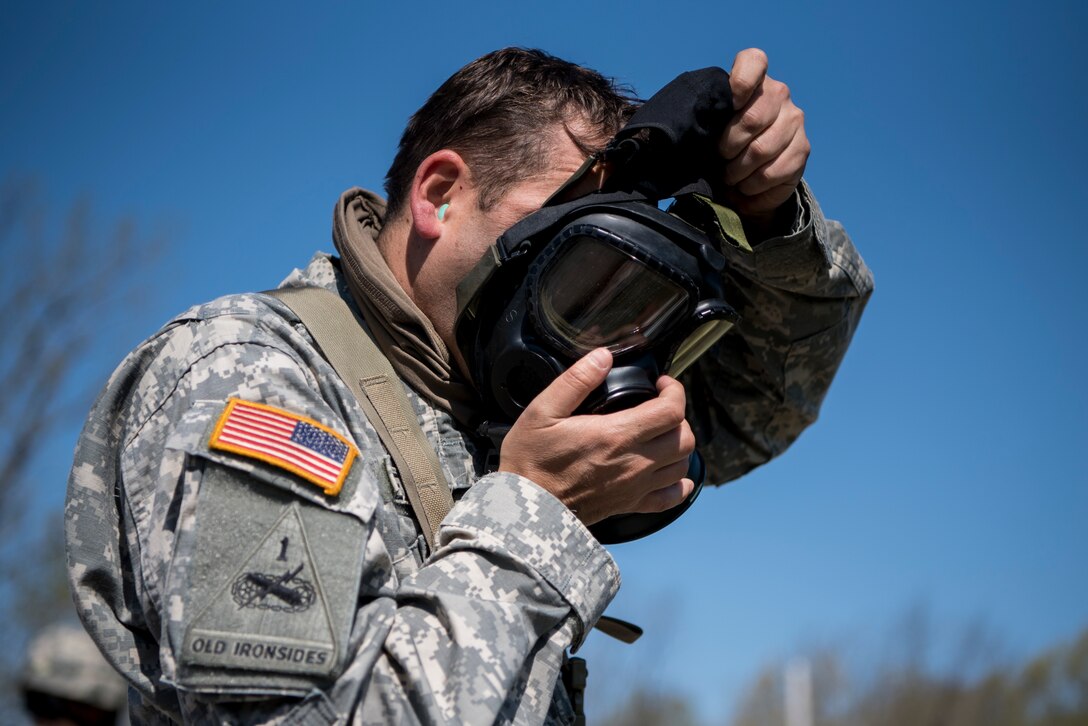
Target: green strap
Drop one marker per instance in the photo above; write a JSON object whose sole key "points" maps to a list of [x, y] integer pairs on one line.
{"points": [[367, 372], [706, 214]]}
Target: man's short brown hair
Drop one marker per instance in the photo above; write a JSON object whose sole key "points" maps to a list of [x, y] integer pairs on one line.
{"points": [[498, 113]]}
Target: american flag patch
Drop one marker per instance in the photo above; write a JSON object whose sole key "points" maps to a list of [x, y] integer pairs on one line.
{"points": [[280, 438]]}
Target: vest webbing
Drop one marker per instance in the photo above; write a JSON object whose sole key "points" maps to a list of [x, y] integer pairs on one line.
{"points": [[367, 372]]}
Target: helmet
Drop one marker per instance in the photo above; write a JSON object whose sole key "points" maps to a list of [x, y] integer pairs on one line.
{"points": [[62, 661]]}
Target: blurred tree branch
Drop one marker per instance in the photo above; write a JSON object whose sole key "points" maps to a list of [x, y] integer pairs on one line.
{"points": [[62, 285], [67, 283]]}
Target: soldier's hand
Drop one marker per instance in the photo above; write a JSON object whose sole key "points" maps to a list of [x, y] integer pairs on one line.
{"points": [[764, 144], [600, 465]]}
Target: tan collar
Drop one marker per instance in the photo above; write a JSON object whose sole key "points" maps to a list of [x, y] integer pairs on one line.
{"points": [[400, 328]]}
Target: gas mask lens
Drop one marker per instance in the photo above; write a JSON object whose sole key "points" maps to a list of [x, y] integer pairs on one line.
{"points": [[621, 275], [592, 294]]}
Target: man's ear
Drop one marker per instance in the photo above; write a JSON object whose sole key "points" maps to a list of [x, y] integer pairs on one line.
{"points": [[440, 179]]}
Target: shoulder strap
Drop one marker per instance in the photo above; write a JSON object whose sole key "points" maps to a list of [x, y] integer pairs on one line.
{"points": [[367, 372], [370, 376]]}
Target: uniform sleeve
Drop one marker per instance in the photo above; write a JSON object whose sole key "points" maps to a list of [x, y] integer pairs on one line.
{"points": [[800, 297], [267, 600]]}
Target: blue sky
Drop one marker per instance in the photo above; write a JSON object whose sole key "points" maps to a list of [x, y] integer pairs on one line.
{"points": [[948, 468]]}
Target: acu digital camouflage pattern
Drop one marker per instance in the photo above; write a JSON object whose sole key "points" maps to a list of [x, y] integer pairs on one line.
{"points": [[800, 298], [229, 590], [62, 661]]}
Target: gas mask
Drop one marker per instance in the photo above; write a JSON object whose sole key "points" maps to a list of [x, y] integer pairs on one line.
{"points": [[610, 269]]}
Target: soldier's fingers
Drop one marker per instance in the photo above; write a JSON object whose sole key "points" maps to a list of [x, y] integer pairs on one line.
{"points": [[666, 498], [746, 124], [762, 150], [567, 391], [671, 447], [653, 418], [667, 381], [746, 75], [786, 168]]}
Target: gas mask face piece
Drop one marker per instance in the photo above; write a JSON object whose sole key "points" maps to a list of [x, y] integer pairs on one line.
{"points": [[623, 275], [607, 269]]}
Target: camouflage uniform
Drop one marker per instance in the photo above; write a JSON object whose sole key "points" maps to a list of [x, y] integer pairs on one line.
{"points": [[227, 588], [62, 661]]}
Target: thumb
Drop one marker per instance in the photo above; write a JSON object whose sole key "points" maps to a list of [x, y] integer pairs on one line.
{"points": [[567, 392], [747, 74]]}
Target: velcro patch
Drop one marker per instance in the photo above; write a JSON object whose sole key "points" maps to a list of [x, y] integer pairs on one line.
{"points": [[286, 440], [272, 614]]}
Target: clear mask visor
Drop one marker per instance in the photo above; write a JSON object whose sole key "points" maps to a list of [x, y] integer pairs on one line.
{"points": [[594, 295]]}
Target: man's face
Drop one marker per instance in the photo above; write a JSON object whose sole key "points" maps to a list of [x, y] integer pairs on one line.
{"points": [[469, 231]]}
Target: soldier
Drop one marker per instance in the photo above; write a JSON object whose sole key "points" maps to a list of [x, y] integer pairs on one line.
{"points": [[253, 521], [67, 681]]}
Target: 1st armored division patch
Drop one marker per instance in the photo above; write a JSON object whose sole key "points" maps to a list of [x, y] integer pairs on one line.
{"points": [[287, 440], [272, 613]]}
